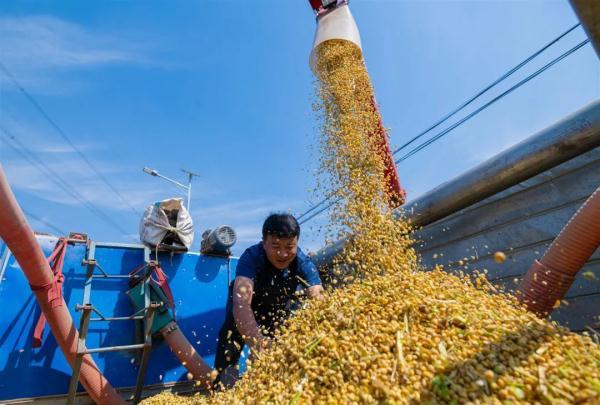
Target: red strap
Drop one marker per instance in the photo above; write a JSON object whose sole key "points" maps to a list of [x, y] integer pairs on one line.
{"points": [[36, 339], [396, 193], [136, 270], [315, 4], [161, 280], [55, 297]]}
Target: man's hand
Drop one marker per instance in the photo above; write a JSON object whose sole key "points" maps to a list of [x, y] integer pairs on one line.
{"points": [[316, 292], [257, 346], [260, 343]]}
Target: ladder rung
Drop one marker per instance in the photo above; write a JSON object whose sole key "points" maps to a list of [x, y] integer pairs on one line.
{"points": [[114, 348], [110, 276], [119, 318]]}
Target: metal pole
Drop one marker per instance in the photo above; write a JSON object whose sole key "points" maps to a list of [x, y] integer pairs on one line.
{"points": [[588, 12], [189, 186], [571, 137], [154, 173], [189, 195]]}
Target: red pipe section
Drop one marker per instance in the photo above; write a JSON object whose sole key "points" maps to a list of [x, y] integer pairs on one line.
{"points": [[549, 278], [19, 238], [316, 5], [187, 355], [319, 8], [395, 193]]}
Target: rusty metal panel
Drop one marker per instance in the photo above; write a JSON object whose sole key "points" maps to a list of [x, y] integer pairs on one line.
{"points": [[588, 12], [529, 232], [522, 221], [586, 283], [570, 182], [580, 314]]}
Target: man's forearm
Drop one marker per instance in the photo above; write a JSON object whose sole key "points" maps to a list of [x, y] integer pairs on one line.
{"points": [[247, 325], [242, 311]]}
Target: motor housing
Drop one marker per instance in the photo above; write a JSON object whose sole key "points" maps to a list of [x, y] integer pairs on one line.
{"points": [[218, 241]]}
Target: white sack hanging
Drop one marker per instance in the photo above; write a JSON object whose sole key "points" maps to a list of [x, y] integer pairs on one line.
{"points": [[155, 224]]}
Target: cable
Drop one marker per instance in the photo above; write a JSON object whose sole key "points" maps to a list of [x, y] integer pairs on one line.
{"points": [[492, 101], [464, 119], [462, 106], [485, 90], [320, 211], [311, 209], [49, 225], [54, 125], [57, 179]]}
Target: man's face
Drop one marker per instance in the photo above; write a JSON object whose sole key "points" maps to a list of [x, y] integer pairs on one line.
{"points": [[280, 251]]}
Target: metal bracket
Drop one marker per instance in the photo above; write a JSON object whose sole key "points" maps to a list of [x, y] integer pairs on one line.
{"points": [[78, 237]]}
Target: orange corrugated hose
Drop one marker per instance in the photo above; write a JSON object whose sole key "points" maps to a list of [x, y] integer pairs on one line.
{"points": [[187, 355], [19, 238], [549, 278]]}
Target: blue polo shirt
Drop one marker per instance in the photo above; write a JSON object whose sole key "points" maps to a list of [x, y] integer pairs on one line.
{"points": [[274, 288]]}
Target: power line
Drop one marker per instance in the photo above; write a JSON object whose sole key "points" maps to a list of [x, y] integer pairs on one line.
{"points": [[461, 121], [456, 110], [486, 89], [492, 101], [320, 211], [54, 125], [314, 207], [57, 179], [48, 224]]}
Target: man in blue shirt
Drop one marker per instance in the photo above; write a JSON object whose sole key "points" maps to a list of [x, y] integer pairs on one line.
{"points": [[267, 277]]}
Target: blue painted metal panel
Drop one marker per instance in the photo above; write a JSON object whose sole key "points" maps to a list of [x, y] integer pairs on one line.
{"points": [[199, 284]]}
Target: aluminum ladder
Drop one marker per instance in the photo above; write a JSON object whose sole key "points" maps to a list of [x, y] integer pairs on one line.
{"points": [[145, 314]]}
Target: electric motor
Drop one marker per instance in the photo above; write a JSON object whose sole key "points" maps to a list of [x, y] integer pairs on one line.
{"points": [[218, 241]]}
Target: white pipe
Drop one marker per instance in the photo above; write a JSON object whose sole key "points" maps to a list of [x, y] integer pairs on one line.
{"points": [[335, 24]]}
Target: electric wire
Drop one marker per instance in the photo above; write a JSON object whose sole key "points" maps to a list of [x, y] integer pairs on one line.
{"points": [[44, 222], [462, 120], [28, 155], [492, 101], [314, 207], [460, 107], [486, 89], [56, 178], [319, 211], [59, 130]]}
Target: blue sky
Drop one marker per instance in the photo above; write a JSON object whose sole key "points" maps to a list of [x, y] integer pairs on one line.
{"points": [[223, 88]]}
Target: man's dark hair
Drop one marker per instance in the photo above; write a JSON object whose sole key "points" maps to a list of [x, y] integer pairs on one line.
{"points": [[281, 225]]}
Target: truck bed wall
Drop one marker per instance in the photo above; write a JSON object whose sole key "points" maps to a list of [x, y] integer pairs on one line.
{"points": [[522, 221]]}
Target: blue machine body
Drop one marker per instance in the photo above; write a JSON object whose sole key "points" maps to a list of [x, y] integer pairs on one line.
{"points": [[199, 284]]}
